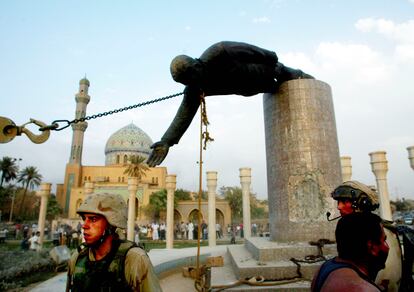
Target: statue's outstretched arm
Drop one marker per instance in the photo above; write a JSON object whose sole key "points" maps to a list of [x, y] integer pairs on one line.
{"points": [[179, 125]]}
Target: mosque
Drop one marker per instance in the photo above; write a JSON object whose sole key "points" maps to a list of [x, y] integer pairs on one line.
{"points": [[121, 145]]}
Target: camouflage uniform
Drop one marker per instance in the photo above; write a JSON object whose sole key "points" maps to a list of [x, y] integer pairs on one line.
{"points": [[126, 267]]}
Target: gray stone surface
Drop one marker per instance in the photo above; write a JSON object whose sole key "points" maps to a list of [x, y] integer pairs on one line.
{"points": [[229, 274], [263, 249], [303, 164]]}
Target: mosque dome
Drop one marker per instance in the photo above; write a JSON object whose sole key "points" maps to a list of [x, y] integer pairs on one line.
{"points": [[126, 142]]}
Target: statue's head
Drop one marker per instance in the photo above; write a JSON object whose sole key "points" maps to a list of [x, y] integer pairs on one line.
{"points": [[185, 70]]}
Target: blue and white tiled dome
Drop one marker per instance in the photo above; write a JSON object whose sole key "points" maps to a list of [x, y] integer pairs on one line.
{"points": [[129, 140]]}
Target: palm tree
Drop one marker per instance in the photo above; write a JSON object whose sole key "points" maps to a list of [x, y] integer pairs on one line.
{"points": [[137, 167], [29, 177], [8, 169]]}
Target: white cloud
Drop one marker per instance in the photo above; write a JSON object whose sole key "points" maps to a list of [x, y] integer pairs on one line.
{"points": [[400, 32], [262, 19], [404, 53], [360, 63]]}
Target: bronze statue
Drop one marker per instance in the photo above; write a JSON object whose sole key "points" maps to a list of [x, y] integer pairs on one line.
{"points": [[224, 68]]}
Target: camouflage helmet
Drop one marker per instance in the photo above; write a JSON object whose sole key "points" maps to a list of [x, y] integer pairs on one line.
{"points": [[363, 198], [111, 206]]}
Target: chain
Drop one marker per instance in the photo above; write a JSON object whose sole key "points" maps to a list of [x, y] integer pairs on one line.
{"points": [[55, 124]]}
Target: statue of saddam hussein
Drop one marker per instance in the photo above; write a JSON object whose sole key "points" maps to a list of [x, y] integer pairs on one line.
{"points": [[224, 68]]}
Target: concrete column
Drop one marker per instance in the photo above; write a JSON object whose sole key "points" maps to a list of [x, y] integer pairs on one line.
{"points": [[346, 168], [170, 185], [411, 155], [302, 157], [43, 193], [379, 166], [245, 181], [211, 189], [132, 190], [88, 188]]}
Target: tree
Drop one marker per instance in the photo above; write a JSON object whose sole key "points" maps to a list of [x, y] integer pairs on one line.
{"points": [[137, 167], [53, 208], [257, 211], [29, 177], [233, 195], [8, 169], [157, 204], [204, 196], [182, 195]]}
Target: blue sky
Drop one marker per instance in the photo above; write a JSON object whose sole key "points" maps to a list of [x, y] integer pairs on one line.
{"points": [[363, 49]]}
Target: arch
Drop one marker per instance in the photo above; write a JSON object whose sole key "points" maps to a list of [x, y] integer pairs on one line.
{"points": [[220, 218], [78, 203], [193, 216], [125, 159], [117, 159], [177, 217]]}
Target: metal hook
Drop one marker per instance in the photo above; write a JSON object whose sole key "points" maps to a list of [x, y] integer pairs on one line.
{"points": [[38, 139]]}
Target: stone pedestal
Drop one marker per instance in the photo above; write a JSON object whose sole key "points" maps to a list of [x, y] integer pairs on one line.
{"points": [[245, 181], [379, 167], [211, 189], [132, 190], [303, 165], [43, 193], [170, 185], [411, 155], [346, 168]]}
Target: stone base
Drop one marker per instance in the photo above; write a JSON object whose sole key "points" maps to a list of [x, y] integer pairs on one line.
{"points": [[271, 260]]}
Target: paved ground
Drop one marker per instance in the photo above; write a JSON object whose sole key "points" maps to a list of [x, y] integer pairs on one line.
{"points": [[171, 283]]}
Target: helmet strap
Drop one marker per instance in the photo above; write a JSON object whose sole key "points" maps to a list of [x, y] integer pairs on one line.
{"points": [[106, 233]]}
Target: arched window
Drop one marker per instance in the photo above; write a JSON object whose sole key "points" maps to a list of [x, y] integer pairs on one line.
{"points": [[117, 159], [125, 159]]}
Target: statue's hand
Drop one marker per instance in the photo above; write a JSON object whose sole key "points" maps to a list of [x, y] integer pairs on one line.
{"points": [[158, 154]]}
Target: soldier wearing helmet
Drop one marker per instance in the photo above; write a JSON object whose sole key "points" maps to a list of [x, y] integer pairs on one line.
{"points": [[107, 262], [354, 197]]}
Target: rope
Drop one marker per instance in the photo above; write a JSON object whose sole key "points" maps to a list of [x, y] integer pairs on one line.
{"points": [[199, 283]]}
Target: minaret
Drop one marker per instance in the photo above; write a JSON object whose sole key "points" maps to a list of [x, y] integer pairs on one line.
{"points": [[82, 99], [73, 171]]}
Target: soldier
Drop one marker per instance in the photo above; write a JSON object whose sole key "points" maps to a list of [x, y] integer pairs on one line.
{"points": [[107, 262], [224, 68], [356, 197], [362, 252]]}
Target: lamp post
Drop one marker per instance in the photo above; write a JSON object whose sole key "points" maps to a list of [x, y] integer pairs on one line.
{"points": [[14, 192]]}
